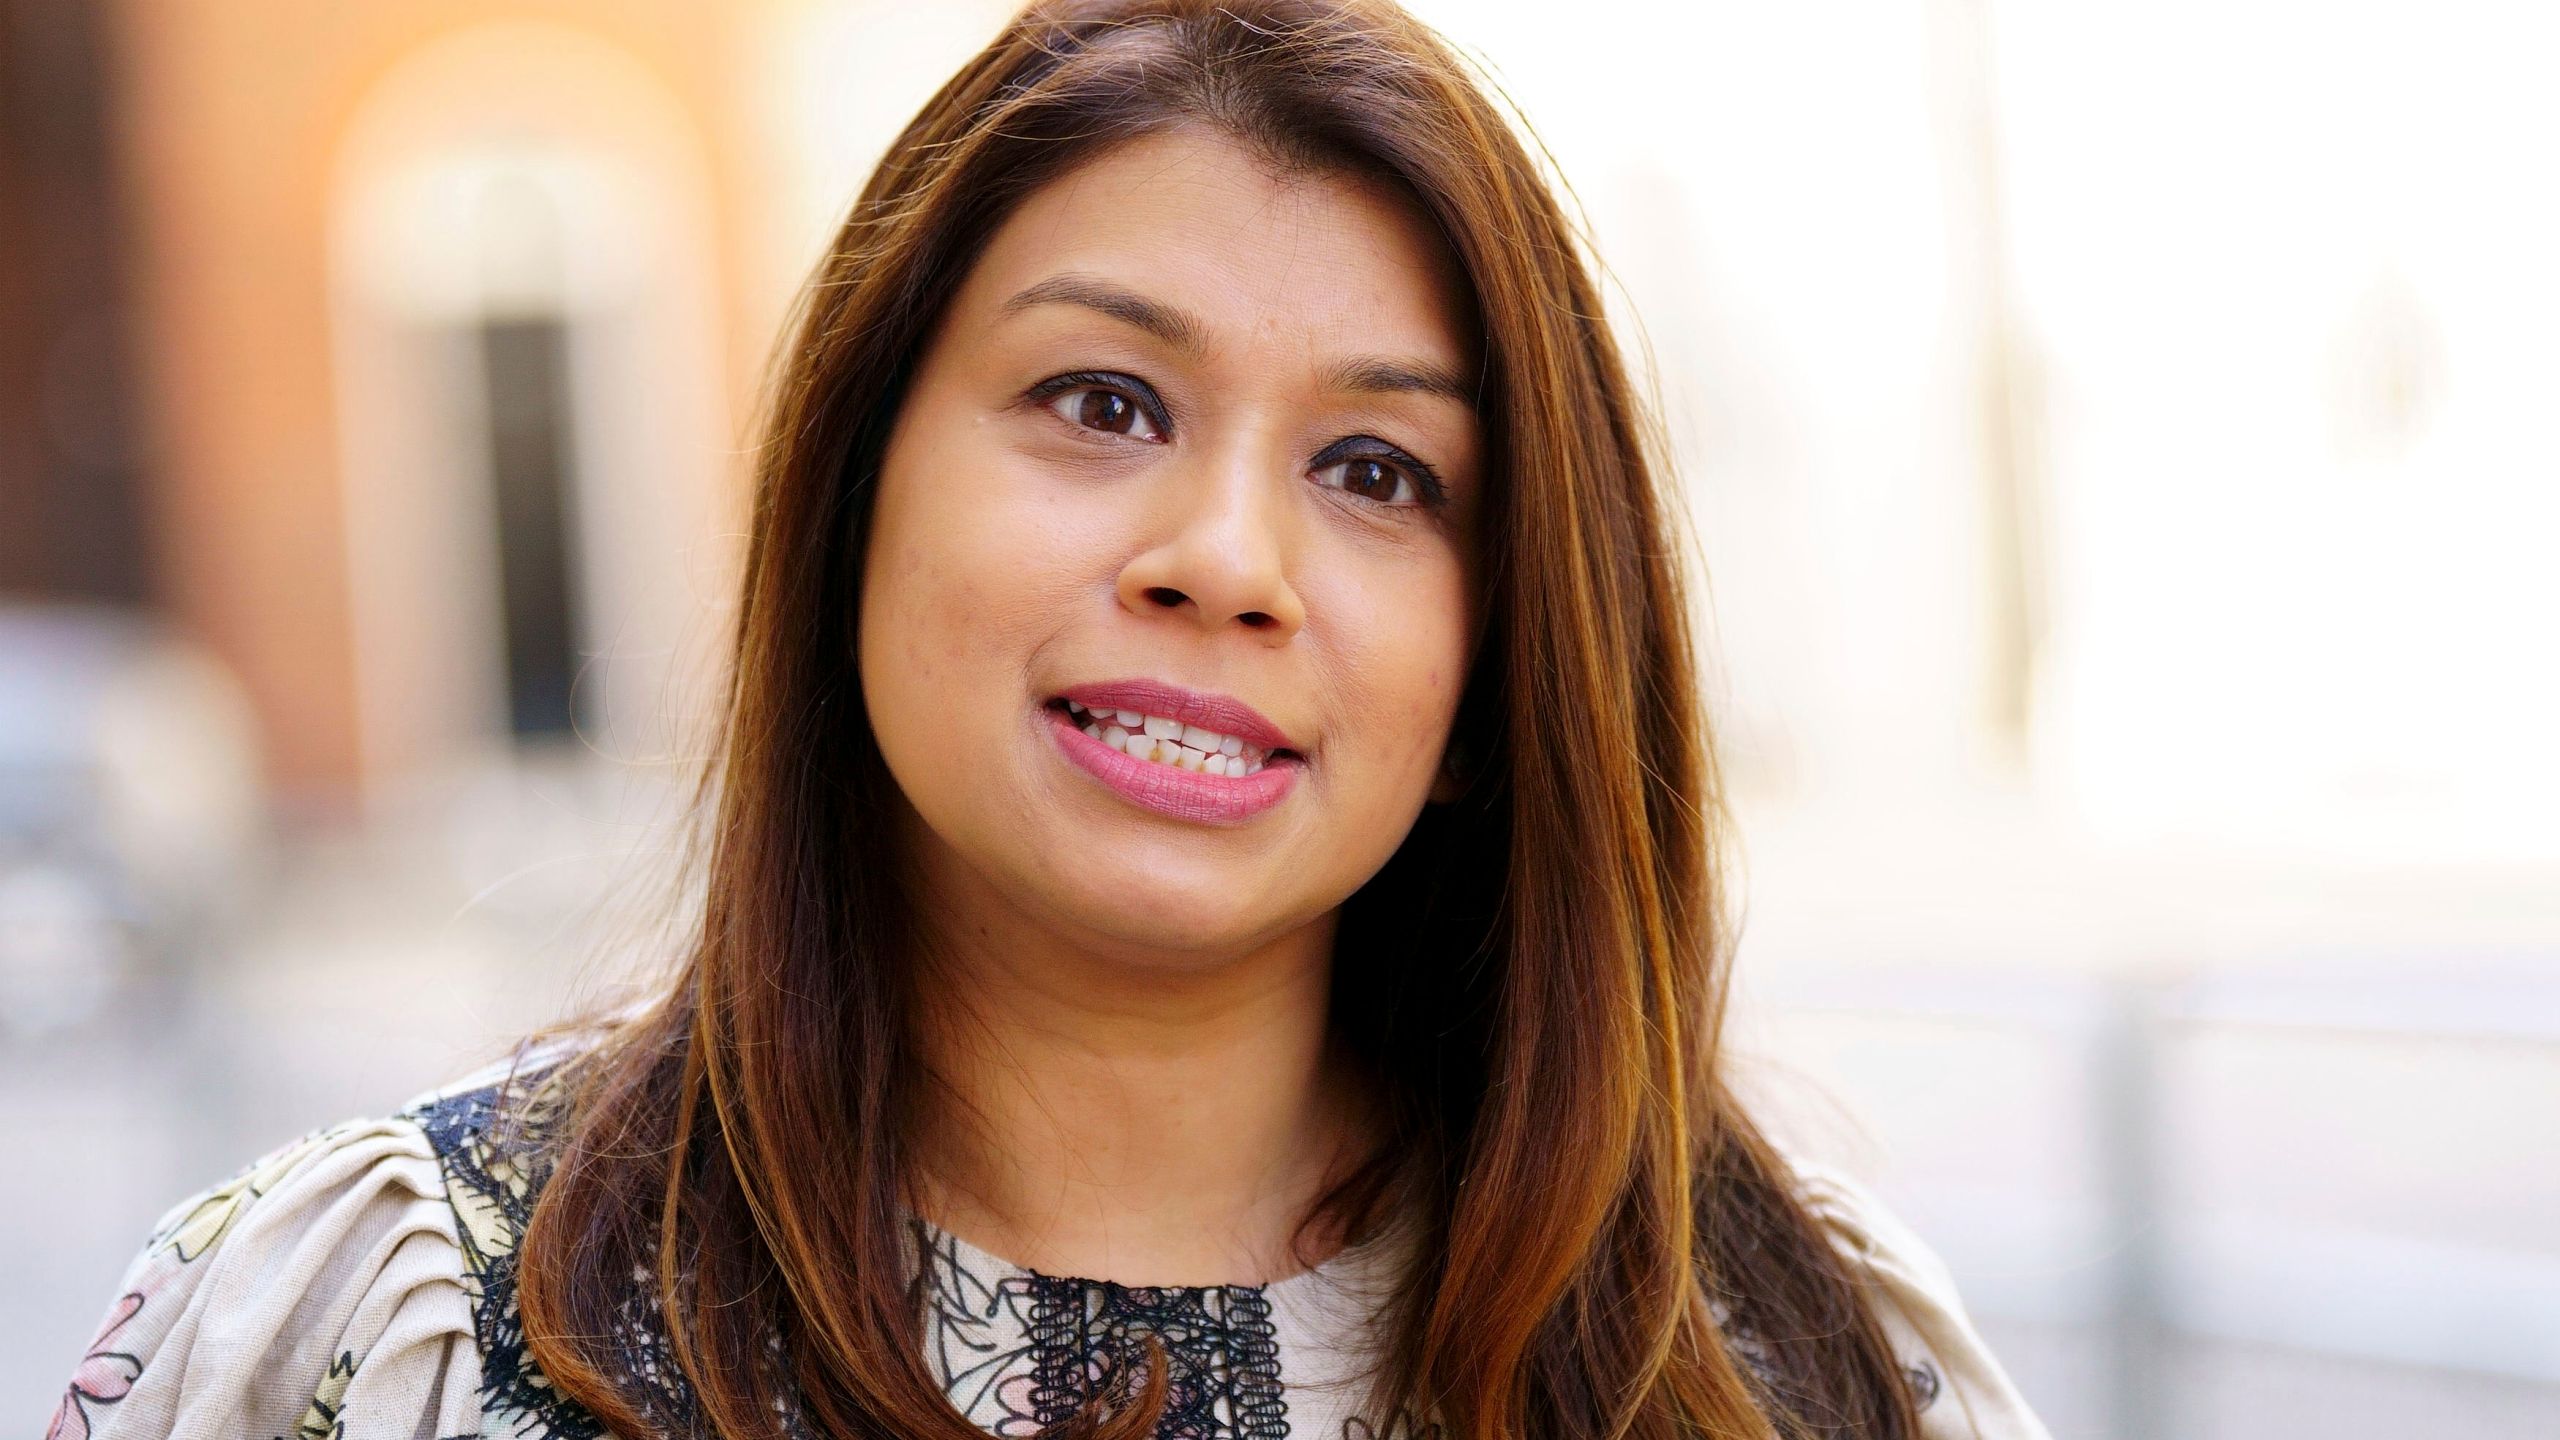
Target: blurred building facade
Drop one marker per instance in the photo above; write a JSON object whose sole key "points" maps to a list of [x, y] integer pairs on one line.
{"points": [[447, 321], [414, 346]]}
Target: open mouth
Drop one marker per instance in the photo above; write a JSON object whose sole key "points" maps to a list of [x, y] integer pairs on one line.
{"points": [[1161, 741]]}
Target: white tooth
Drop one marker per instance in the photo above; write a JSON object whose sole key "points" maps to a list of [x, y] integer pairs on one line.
{"points": [[1200, 739], [1214, 765], [1128, 718], [1116, 738], [1231, 746], [1164, 729], [1185, 758]]}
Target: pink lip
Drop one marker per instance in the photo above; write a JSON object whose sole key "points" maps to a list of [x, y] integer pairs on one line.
{"points": [[1222, 713], [1183, 794]]}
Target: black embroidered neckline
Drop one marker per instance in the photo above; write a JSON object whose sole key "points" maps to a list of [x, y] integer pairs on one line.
{"points": [[1222, 1354], [1022, 1350], [486, 1146], [1085, 1338]]}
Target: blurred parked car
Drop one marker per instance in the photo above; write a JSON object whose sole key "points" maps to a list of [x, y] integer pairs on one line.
{"points": [[132, 816]]}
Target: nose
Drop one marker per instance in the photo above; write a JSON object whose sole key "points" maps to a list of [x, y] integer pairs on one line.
{"points": [[1219, 552]]}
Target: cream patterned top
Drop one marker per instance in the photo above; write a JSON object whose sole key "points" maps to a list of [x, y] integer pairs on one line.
{"points": [[359, 1284]]}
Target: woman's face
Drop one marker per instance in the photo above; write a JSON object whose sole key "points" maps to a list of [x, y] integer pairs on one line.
{"points": [[1197, 444]]}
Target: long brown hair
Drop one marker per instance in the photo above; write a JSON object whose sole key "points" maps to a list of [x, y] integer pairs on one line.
{"points": [[1537, 973]]}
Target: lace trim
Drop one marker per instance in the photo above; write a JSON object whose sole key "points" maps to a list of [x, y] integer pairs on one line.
{"points": [[1016, 1352], [1221, 1351], [489, 1144]]}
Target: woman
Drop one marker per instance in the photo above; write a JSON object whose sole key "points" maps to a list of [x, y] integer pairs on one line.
{"points": [[1209, 922]]}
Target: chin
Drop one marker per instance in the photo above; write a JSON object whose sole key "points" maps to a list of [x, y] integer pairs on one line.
{"points": [[1202, 918]]}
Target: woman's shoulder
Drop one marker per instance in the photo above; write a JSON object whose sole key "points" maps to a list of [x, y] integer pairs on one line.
{"points": [[337, 1285], [501, 1114], [1959, 1386]]}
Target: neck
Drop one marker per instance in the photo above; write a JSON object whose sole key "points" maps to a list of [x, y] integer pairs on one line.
{"points": [[1140, 1116]]}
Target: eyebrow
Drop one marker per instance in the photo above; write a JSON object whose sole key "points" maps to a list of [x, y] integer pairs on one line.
{"points": [[1375, 375], [1174, 327], [1363, 374]]}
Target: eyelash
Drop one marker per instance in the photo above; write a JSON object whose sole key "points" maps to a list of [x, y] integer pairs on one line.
{"points": [[1426, 480]]}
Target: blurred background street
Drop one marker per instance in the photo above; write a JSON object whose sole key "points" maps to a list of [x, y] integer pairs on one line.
{"points": [[2118, 443]]}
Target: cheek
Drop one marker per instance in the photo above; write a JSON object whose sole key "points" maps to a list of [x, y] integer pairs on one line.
{"points": [[919, 582], [943, 593], [1400, 662]]}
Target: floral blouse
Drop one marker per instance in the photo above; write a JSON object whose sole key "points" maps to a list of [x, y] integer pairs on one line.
{"points": [[360, 1282]]}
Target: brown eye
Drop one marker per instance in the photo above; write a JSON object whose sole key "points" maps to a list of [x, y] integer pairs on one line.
{"points": [[1109, 411], [1372, 478]]}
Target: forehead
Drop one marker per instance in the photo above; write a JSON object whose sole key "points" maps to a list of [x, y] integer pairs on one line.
{"points": [[1193, 220]]}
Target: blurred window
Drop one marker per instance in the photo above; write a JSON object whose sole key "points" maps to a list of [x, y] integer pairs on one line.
{"points": [[524, 367]]}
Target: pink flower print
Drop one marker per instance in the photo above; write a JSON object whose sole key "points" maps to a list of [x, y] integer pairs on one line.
{"points": [[104, 1376]]}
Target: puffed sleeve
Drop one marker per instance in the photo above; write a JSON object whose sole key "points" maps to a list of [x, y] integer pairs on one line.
{"points": [[317, 1293], [1961, 1391]]}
